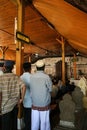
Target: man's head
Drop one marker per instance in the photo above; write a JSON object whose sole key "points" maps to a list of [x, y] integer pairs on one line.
{"points": [[8, 66], [40, 65], [27, 66]]}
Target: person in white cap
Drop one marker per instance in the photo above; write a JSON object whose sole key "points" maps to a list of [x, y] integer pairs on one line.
{"points": [[11, 86], [41, 88]]}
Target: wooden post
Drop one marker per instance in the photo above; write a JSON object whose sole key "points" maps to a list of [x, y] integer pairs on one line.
{"points": [[74, 64], [63, 60], [30, 58], [19, 44], [20, 50]]}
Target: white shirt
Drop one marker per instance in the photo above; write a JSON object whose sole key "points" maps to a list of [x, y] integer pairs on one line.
{"points": [[27, 102]]}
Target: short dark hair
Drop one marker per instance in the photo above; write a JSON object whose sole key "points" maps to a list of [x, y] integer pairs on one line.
{"points": [[8, 64], [26, 66]]}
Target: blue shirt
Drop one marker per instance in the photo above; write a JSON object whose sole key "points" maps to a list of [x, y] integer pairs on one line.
{"points": [[27, 102], [40, 87]]}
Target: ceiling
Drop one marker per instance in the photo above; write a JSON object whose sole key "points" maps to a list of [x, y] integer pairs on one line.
{"points": [[46, 23]]}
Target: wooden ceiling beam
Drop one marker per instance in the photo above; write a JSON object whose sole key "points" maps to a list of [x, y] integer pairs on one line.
{"points": [[34, 20], [3, 49]]}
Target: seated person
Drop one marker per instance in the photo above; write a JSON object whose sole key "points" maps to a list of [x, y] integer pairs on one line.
{"points": [[83, 84], [54, 88]]}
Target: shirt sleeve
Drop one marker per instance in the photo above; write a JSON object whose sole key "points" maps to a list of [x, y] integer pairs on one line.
{"points": [[49, 84], [21, 82]]}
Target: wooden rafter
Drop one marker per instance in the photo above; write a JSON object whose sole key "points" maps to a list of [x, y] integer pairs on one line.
{"points": [[3, 49]]}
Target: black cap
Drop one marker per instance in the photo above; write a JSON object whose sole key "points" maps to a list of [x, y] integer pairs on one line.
{"points": [[8, 63]]}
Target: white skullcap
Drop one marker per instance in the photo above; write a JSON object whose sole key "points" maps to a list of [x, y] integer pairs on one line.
{"points": [[40, 63]]}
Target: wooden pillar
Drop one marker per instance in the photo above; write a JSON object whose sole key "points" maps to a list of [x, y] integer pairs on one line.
{"points": [[19, 44], [63, 60], [29, 58], [74, 65]]}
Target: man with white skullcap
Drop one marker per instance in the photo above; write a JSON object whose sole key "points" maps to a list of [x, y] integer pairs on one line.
{"points": [[41, 88]]}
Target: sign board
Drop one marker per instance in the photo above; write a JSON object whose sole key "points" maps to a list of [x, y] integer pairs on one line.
{"points": [[21, 37]]}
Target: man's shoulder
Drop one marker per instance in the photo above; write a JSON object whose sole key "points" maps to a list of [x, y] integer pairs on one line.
{"points": [[25, 75]]}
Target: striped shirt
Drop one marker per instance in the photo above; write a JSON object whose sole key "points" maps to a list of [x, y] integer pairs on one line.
{"points": [[10, 86]]}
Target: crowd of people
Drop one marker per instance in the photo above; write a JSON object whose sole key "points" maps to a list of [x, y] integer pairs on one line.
{"points": [[34, 91]]}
